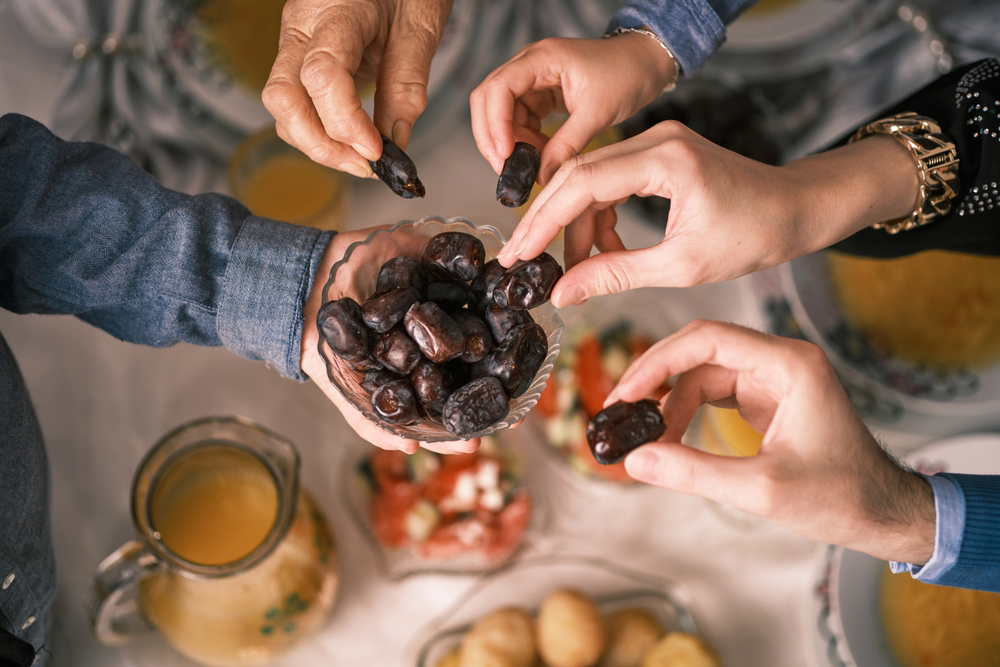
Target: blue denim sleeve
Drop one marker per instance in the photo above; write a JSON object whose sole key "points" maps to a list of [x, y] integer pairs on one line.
{"points": [[85, 231], [967, 539], [693, 29]]}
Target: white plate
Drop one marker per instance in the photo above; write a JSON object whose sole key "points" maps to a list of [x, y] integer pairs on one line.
{"points": [[845, 625]]}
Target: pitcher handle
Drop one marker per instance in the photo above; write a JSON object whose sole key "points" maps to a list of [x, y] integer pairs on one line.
{"points": [[113, 604]]}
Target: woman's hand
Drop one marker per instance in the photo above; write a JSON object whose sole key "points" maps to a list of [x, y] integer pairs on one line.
{"points": [[330, 49], [599, 82], [819, 472], [729, 215], [314, 366]]}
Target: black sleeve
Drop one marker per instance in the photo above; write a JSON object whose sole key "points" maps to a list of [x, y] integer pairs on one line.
{"points": [[966, 103]]}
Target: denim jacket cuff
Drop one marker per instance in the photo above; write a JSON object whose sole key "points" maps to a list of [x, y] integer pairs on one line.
{"points": [[691, 28], [268, 278]]}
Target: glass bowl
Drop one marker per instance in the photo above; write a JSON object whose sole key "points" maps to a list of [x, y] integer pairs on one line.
{"points": [[526, 583], [355, 276], [438, 551]]}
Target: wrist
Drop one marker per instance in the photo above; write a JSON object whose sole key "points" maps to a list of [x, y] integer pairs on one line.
{"points": [[904, 530], [844, 190], [650, 55]]}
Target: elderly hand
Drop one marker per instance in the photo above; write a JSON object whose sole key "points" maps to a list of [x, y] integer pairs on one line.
{"points": [[314, 366], [819, 472], [729, 215], [600, 82], [330, 49]]}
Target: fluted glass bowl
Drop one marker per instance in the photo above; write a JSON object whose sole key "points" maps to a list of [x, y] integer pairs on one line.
{"points": [[355, 276]]}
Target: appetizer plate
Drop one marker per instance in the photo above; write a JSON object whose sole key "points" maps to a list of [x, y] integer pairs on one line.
{"points": [[845, 625], [526, 584]]}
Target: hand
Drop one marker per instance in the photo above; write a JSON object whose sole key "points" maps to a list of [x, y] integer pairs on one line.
{"points": [[729, 215], [600, 82], [819, 472], [330, 49], [314, 366]]}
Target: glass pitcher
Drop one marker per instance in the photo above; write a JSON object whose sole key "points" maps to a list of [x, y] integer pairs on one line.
{"points": [[233, 562]]}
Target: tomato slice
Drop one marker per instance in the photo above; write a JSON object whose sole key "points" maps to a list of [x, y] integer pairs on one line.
{"points": [[593, 383], [547, 403]]}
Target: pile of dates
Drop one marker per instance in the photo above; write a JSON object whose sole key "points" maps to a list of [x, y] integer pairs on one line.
{"points": [[447, 337]]}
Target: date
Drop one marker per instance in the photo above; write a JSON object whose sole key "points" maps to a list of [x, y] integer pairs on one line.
{"points": [[620, 428], [396, 169], [402, 272], [518, 358], [383, 311], [375, 379], [518, 175], [481, 289], [437, 335], [476, 406], [454, 256], [528, 283], [478, 339], [342, 326], [397, 351], [450, 296], [433, 386], [396, 402], [502, 321]]}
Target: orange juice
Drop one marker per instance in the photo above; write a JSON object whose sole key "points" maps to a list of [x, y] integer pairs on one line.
{"points": [[214, 505], [290, 187], [725, 432]]}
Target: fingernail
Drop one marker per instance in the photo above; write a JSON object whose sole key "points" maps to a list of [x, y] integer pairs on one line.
{"points": [[547, 175], [365, 153], [572, 295], [643, 465], [500, 151], [399, 128], [357, 170]]}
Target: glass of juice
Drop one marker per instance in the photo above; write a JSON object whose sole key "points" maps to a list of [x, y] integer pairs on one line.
{"points": [[233, 561], [275, 180]]}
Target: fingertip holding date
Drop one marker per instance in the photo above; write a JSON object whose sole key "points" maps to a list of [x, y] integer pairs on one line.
{"points": [[622, 427], [396, 169], [527, 283], [518, 175]]}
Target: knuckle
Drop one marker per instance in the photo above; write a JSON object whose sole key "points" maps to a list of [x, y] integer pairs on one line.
{"points": [[616, 279], [315, 73], [278, 97]]}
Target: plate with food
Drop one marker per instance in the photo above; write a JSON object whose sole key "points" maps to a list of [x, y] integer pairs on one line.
{"points": [[455, 514], [563, 611], [603, 338], [862, 615], [921, 331], [427, 335]]}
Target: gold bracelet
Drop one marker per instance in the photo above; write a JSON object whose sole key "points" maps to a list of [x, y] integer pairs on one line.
{"points": [[649, 33], [937, 165]]}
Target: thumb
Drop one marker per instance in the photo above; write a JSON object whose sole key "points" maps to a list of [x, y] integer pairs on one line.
{"points": [[569, 141], [612, 272], [688, 470], [401, 88]]}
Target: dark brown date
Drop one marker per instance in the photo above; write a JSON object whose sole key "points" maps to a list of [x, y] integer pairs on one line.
{"points": [[375, 379], [477, 405], [402, 272], [396, 402], [478, 339], [518, 358], [501, 321], [432, 383], [437, 335], [342, 326], [368, 364], [450, 296], [397, 351], [454, 256], [396, 169], [618, 429], [518, 175], [528, 283], [383, 311], [481, 289]]}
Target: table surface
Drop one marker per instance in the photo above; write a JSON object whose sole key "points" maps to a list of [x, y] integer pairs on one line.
{"points": [[102, 403]]}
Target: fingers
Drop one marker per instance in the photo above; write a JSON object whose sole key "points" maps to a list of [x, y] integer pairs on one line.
{"points": [[687, 470], [401, 91], [570, 140], [452, 447], [703, 384]]}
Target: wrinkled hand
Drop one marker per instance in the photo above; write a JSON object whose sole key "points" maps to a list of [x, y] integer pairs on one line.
{"points": [[330, 49], [600, 82], [314, 366], [729, 215], [819, 472]]}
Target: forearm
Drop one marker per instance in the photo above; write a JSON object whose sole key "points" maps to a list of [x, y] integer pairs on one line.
{"points": [[84, 231], [839, 192]]}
